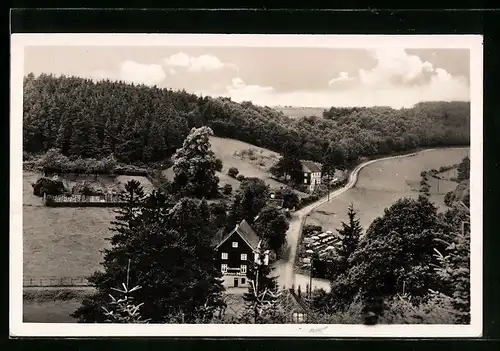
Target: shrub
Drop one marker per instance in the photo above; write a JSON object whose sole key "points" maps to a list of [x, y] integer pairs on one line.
{"points": [[423, 174], [289, 196], [48, 186], [85, 188], [233, 172], [307, 200], [218, 165], [240, 177], [227, 189]]}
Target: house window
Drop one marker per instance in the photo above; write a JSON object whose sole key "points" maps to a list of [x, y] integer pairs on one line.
{"points": [[224, 255], [243, 257], [243, 280], [243, 268], [298, 317], [223, 268], [305, 174], [235, 244], [305, 180]]}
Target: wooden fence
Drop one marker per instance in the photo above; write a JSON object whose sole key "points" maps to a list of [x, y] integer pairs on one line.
{"points": [[83, 201], [55, 281]]}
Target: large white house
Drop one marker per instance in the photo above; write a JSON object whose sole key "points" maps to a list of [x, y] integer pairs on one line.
{"points": [[312, 174]]}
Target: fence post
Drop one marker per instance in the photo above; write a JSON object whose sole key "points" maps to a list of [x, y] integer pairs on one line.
{"points": [[31, 281], [41, 282]]}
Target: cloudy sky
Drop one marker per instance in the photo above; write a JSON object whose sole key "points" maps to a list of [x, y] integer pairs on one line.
{"points": [[318, 77]]}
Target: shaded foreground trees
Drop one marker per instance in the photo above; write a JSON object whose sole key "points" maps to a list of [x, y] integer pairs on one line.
{"points": [[171, 258], [410, 259]]}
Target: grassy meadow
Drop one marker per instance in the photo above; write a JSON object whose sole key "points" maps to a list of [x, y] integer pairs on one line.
{"points": [[251, 161], [296, 112], [382, 183]]}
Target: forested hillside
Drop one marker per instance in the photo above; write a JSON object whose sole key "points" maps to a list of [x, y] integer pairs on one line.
{"points": [[140, 123]]}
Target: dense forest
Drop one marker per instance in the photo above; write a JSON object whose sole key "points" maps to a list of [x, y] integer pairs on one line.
{"points": [[138, 123]]}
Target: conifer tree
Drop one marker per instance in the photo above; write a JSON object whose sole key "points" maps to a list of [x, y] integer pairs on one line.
{"points": [[349, 236], [464, 169], [169, 246]]}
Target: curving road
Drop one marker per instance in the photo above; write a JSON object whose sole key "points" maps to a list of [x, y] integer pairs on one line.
{"points": [[285, 269]]}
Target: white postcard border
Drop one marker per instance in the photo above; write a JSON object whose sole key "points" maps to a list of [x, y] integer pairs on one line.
{"points": [[19, 41]]}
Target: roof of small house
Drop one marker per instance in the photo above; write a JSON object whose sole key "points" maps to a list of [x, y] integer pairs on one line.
{"points": [[245, 231], [310, 167], [276, 202]]}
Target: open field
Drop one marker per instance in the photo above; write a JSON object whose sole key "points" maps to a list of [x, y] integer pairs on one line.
{"points": [[382, 183], [50, 311], [52, 305], [61, 241], [65, 242], [235, 153], [295, 112]]}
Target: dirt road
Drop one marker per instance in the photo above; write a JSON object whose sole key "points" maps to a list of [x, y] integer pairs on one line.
{"points": [[285, 269]]}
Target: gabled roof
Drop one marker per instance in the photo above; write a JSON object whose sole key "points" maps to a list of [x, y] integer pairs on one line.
{"points": [[310, 166], [245, 231]]}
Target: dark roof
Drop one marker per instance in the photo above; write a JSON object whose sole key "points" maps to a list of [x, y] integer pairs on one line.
{"points": [[310, 166], [276, 202], [246, 232]]}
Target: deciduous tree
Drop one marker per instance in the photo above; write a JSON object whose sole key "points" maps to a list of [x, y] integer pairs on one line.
{"points": [[195, 165]]}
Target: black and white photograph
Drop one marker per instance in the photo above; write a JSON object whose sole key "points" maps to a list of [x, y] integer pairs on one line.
{"points": [[246, 185]]}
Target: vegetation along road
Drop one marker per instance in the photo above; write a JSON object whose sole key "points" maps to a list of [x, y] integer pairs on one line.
{"points": [[285, 268]]}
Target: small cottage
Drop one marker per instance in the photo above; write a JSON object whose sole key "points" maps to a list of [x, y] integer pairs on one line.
{"points": [[235, 253]]}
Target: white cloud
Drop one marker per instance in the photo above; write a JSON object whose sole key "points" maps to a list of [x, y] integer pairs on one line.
{"points": [[394, 63], [343, 76], [180, 59], [149, 74], [172, 71], [198, 63], [240, 91]]}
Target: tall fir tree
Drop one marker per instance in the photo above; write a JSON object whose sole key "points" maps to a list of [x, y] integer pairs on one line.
{"points": [[453, 265], [169, 246], [464, 169], [349, 236]]}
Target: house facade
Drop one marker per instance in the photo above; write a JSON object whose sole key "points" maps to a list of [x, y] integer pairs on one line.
{"points": [[312, 174], [235, 253]]}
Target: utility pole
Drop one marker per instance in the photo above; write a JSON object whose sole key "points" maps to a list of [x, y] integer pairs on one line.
{"points": [[311, 276], [328, 186]]}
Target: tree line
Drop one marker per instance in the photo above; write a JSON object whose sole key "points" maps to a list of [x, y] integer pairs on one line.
{"points": [[138, 123]]}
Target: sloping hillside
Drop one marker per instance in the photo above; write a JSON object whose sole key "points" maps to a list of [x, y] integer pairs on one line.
{"points": [[250, 160]]}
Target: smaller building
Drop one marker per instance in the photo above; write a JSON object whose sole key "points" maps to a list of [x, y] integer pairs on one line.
{"points": [[275, 202], [235, 253], [312, 174]]}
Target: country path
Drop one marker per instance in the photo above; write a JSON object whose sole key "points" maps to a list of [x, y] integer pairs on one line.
{"points": [[285, 269]]}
